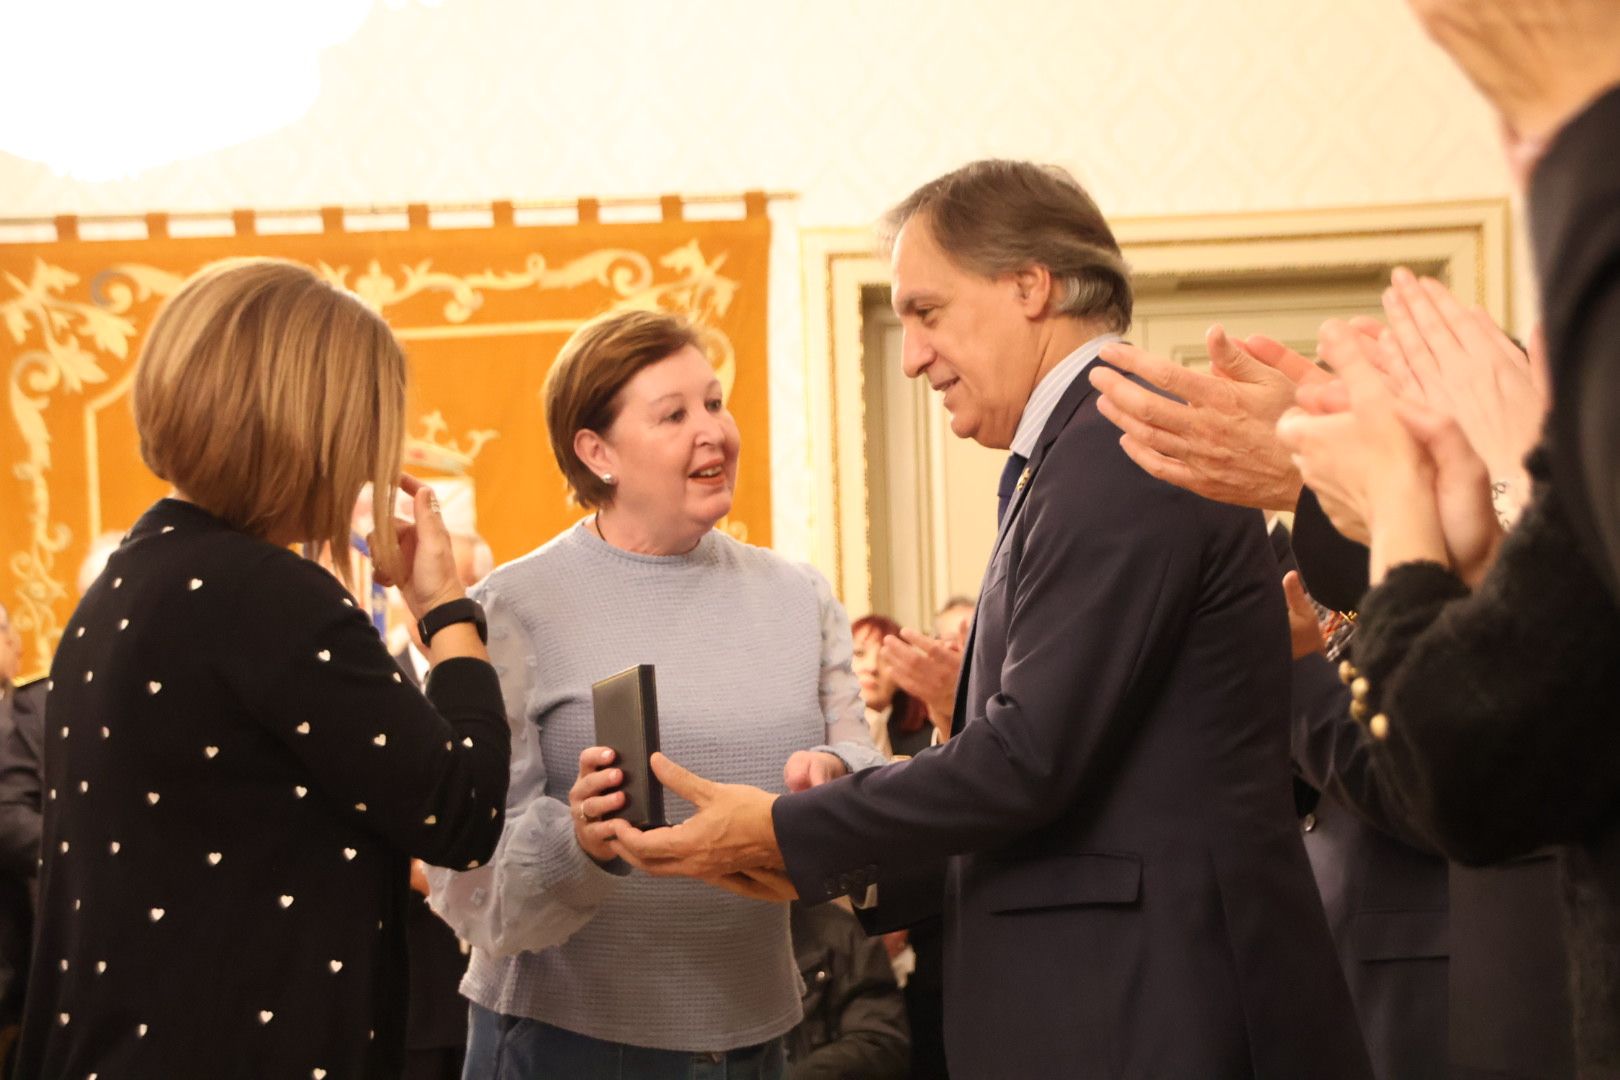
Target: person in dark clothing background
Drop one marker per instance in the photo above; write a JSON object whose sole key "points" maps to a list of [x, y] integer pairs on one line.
{"points": [[1386, 899], [854, 1016], [436, 1019], [20, 704], [923, 670], [22, 721], [1457, 971]]}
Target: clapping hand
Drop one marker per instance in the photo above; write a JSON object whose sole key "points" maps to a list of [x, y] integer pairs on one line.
{"points": [[1457, 361], [1303, 625], [1219, 440], [1347, 441], [1388, 471], [927, 669], [1462, 491]]}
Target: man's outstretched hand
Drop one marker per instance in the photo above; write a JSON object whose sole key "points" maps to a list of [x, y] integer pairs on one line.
{"points": [[730, 842]]}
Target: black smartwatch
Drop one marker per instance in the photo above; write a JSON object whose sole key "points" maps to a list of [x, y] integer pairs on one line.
{"points": [[449, 613]]}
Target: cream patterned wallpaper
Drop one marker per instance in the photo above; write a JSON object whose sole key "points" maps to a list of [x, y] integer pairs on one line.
{"points": [[1159, 106]]}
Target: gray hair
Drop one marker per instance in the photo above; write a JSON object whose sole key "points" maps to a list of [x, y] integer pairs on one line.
{"points": [[997, 217]]}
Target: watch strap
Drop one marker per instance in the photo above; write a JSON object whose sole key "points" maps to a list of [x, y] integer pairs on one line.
{"points": [[449, 613]]}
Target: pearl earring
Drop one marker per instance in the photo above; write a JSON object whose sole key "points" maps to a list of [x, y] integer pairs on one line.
{"points": [[609, 479]]}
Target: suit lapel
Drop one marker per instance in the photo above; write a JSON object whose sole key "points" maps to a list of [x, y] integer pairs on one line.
{"points": [[1078, 391], [1062, 413]]}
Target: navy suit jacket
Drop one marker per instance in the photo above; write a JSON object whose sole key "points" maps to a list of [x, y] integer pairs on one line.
{"points": [[1126, 893], [1401, 916], [1385, 892]]}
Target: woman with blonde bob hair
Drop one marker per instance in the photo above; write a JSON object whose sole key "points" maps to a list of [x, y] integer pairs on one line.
{"points": [[240, 776], [581, 967]]}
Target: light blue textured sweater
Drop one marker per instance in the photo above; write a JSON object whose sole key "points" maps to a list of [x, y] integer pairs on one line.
{"points": [[753, 663]]}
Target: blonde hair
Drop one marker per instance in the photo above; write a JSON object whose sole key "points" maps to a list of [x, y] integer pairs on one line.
{"points": [[582, 387], [270, 397]]}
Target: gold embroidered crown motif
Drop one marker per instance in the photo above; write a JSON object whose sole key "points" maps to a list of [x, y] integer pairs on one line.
{"points": [[435, 451]]}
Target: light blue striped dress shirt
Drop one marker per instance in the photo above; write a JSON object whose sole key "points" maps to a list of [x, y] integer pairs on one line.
{"points": [[1047, 392]]}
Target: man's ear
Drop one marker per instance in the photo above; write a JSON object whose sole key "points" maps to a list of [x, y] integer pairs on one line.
{"points": [[1033, 286], [595, 452]]}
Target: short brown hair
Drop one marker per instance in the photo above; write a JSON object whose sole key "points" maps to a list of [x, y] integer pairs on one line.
{"points": [[997, 217], [582, 388], [271, 397]]}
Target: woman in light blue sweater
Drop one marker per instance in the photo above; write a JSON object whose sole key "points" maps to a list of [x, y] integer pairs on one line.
{"points": [[580, 967]]}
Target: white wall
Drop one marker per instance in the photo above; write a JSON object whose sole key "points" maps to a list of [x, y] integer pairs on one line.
{"points": [[1159, 106]]}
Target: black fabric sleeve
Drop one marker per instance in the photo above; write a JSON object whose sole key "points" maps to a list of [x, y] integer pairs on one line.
{"points": [[1501, 704], [1332, 566], [905, 897], [1333, 753], [1574, 208], [427, 773]]}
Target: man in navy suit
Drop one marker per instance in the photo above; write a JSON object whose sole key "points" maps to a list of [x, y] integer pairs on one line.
{"points": [[1125, 892]]}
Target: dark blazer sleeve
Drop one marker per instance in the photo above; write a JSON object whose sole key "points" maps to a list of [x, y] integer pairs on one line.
{"points": [[1575, 229], [20, 770], [1332, 566], [1093, 615], [904, 898], [1334, 754], [1500, 703], [428, 773]]}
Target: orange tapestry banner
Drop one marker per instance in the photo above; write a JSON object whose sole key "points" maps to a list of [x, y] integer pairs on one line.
{"points": [[481, 311]]}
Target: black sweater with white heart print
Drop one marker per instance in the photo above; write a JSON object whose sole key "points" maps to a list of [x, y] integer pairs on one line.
{"points": [[236, 777]]}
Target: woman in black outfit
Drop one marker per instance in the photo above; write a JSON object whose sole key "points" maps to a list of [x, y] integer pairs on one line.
{"points": [[236, 773], [1487, 668]]}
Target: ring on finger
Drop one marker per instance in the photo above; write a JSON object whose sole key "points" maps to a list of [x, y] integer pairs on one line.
{"points": [[584, 818]]}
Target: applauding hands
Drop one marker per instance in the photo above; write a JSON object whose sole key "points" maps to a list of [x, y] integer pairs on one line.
{"points": [[926, 668], [1389, 465], [1217, 440], [1415, 425]]}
